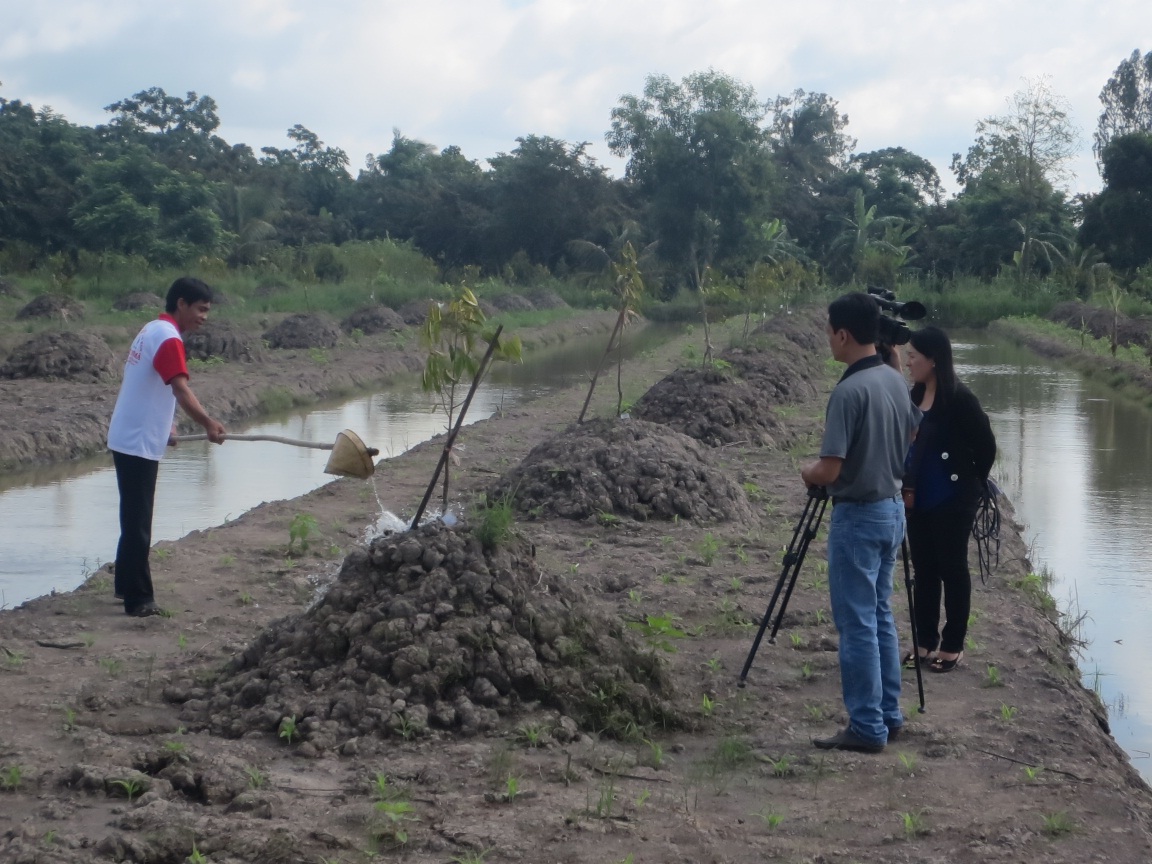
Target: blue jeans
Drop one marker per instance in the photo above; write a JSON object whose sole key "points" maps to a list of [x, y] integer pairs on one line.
{"points": [[862, 546]]}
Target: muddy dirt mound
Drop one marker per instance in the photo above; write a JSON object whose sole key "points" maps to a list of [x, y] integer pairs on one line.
{"points": [[304, 330], [544, 298], [511, 303], [65, 354], [373, 319], [138, 300], [426, 630], [624, 467], [223, 339], [710, 406], [414, 312], [58, 306], [1098, 322], [783, 359]]}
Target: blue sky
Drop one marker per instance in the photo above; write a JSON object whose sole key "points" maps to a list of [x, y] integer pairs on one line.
{"points": [[480, 73]]}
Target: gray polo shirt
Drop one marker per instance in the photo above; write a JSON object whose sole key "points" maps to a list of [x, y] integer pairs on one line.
{"points": [[869, 425]]}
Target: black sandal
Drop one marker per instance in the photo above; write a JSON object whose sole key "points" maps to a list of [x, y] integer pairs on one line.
{"points": [[909, 661], [939, 664]]}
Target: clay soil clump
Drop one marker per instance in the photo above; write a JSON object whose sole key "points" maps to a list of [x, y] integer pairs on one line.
{"points": [[428, 632], [304, 330], [712, 407], [64, 355], [138, 300], [225, 340], [373, 319], [624, 467], [58, 306]]}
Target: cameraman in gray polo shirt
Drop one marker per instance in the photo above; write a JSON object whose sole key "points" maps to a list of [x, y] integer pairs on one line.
{"points": [[869, 424]]}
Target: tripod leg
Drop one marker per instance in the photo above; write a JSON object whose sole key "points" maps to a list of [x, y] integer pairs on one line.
{"points": [[790, 557], [908, 583], [809, 536]]}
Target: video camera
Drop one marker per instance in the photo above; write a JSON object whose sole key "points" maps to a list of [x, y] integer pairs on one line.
{"points": [[893, 331]]}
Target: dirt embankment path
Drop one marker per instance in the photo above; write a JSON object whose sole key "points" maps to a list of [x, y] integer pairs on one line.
{"points": [[444, 702]]}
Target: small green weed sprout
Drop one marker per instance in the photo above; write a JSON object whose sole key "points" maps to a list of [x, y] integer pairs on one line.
{"points": [[393, 816], [178, 749], [815, 713], [496, 519], [908, 760], [992, 677], [1008, 712], [181, 642], [11, 778], [713, 665], [913, 824], [287, 729], [1032, 773], [69, 720], [659, 631], [635, 596], [256, 778], [769, 817], [707, 705], [15, 659], [511, 788], [470, 857], [707, 549], [607, 519], [162, 552], [530, 735], [806, 672], [642, 798], [796, 639], [781, 767], [653, 757], [112, 666], [1058, 824], [302, 527], [196, 856], [227, 560], [129, 786]]}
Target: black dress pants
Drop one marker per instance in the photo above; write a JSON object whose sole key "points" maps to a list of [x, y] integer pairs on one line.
{"points": [[938, 543], [136, 480]]}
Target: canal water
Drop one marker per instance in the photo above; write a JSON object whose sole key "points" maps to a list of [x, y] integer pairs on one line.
{"points": [[1076, 461], [60, 522]]}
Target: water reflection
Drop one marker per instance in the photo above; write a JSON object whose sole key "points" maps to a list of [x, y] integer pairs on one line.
{"points": [[60, 521], [1076, 460]]}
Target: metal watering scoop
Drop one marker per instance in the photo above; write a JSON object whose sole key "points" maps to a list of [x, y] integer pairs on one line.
{"points": [[350, 458]]}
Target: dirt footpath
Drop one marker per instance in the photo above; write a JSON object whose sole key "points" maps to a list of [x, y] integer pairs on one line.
{"points": [[261, 723]]}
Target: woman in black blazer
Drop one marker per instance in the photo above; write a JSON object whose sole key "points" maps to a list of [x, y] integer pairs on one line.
{"points": [[945, 473]]}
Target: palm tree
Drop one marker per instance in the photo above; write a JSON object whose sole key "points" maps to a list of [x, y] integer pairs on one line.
{"points": [[865, 231]]}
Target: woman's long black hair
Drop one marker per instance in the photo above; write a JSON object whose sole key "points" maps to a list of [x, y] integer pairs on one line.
{"points": [[934, 344]]}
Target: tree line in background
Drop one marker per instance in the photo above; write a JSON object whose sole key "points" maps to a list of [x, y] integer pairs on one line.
{"points": [[722, 191]]}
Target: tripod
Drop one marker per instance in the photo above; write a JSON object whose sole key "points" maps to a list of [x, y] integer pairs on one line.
{"points": [[802, 537]]}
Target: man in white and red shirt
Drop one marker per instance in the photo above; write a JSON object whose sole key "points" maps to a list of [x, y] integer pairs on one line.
{"points": [[155, 381]]}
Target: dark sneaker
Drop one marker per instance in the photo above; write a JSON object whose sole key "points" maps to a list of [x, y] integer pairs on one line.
{"points": [[147, 610], [894, 732], [846, 739]]}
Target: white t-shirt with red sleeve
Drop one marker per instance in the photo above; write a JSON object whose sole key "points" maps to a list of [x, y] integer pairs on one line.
{"points": [[146, 406]]}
